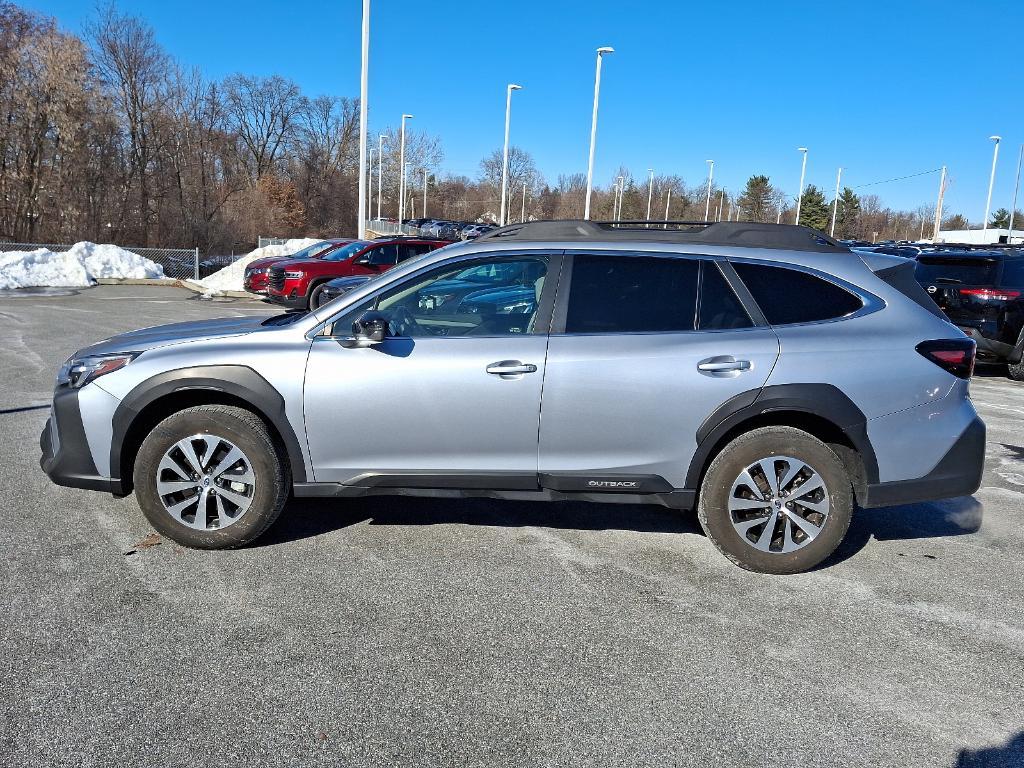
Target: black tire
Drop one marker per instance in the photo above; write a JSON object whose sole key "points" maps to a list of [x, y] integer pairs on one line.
{"points": [[314, 296], [246, 431], [764, 443], [1016, 370]]}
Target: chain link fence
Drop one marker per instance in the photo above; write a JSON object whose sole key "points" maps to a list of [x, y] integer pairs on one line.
{"points": [[178, 263], [264, 241], [388, 227]]}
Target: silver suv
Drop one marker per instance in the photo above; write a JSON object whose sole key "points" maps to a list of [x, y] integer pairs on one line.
{"points": [[763, 375]]}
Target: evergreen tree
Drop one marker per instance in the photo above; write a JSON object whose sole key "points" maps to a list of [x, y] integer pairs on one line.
{"points": [[847, 214], [814, 211], [756, 201], [1001, 219], [956, 221]]}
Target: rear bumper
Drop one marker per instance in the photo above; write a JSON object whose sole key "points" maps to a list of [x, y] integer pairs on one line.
{"points": [[958, 473], [988, 349], [66, 458]]}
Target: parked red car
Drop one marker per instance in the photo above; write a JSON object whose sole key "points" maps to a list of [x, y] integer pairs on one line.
{"points": [[256, 272], [292, 283]]}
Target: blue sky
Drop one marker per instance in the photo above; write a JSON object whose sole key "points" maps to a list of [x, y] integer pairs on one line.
{"points": [[885, 89]]}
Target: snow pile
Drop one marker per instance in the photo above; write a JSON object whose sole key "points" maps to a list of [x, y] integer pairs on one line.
{"points": [[78, 267], [230, 278]]}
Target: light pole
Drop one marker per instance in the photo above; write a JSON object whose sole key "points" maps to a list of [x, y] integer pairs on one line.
{"points": [[619, 182], [369, 186], [363, 89], [401, 174], [504, 154], [711, 176], [938, 206], [721, 202], [803, 169], [522, 213], [380, 171], [668, 202], [835, 203], [1013, 206], [991, 182], [593, 127], [423, 213], [650, 192], [412, 200]]}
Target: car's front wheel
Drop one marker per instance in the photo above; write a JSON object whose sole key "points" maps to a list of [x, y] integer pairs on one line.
{"points": [[316, 296], [211, 477], [1016, 370], [776, 500]]}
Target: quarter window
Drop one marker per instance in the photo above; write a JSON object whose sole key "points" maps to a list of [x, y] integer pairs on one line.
{"points": [[788, 296], [632, 294]]}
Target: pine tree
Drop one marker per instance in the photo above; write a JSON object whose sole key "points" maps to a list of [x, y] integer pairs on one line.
{"points": [[955, 222], [756, 201], [814, 211], [848, 213], [1001, 219]]}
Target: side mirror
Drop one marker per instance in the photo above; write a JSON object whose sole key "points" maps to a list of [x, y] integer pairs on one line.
{"points": [[371, 328], [363, 261]]}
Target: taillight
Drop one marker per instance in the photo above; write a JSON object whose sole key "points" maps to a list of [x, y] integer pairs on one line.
{"points": [[953, 355], [998, 294]]}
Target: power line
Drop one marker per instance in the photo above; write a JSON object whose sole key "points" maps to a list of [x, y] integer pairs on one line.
{"points": [[898, 178]]}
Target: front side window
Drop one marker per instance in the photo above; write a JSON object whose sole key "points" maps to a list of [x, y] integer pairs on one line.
{"points": [[632, 294], [453, 301], [788, 296], [383, 256]]}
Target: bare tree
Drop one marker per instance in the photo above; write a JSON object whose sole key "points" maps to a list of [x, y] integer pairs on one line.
{"points": [[264, 113]]}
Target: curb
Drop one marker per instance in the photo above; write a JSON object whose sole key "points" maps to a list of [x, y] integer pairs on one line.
{"points": [[188, 285]]}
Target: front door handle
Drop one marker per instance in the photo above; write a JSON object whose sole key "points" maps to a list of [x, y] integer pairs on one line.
{"points": [[511, 368], [723, 366]]}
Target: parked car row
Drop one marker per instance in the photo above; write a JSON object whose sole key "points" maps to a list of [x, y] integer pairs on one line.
{"points": [[449, 230]]}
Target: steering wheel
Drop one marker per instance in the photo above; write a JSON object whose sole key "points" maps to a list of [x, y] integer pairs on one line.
{"points": [[403, 323]]}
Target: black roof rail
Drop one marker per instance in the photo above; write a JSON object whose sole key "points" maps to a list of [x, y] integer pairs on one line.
{"points": [[745, 234]]}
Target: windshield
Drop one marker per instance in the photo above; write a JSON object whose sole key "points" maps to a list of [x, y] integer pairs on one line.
{"points": [[309, 251], [345, 251], [966, 270]]}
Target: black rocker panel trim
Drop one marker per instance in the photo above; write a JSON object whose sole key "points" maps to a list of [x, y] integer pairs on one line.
{"points": [[822, 400], [239, 381]]}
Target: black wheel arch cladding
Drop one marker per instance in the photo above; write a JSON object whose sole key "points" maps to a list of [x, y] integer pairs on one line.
{"points": [[823, 401], [236, 381]]}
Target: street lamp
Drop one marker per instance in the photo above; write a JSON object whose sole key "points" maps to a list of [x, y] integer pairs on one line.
{"points": [[835, 204], [803, 169], [423, 213], [401, 174], [369, 186], [991, 181], [711, 176], [593, 128], [504, 155], [363, 88], [412, 200], [619, 183], [650, 192], [380, 171], [1013, 206]]}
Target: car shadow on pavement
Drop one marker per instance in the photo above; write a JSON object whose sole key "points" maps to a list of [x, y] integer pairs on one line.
{"points": [[1008, 755], [304, 518], [925, 520]]}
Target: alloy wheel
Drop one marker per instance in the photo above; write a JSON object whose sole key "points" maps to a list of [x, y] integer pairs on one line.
{"points": [[205, 482]]}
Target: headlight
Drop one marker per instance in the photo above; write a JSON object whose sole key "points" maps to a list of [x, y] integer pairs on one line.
{"points": [[294, 275], [79, 371], [519, 307], [257, 271]]}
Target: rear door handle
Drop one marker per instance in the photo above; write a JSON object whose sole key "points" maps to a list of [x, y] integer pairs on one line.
{"points": [[723, 365], [511, 368]]}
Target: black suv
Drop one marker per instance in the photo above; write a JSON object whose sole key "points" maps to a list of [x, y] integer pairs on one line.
{"points": [[982, 293]]}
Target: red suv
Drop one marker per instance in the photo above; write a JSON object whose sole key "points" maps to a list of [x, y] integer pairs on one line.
{"points": [[293, 283], [257, 272]]}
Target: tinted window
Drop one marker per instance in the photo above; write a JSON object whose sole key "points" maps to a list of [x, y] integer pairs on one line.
{"points": [[790, 296], [1013, 272], [340, 254], [630, 294], [967, 270], [719, 307], [384, 255]]}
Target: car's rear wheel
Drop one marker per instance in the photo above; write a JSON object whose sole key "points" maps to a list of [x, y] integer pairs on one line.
{"points": [[1016, 370], [210, 477], [776, 500]]}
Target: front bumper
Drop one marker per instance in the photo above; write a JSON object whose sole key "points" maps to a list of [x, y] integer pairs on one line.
{"points": [[290, 302], [66, 458], [958, 473], [256, 284]]}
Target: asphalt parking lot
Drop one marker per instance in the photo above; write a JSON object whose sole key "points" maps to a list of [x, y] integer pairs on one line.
{"points": [[481, 633]]}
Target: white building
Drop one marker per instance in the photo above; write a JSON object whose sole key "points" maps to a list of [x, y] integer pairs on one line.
{"points": [[990, 236]]}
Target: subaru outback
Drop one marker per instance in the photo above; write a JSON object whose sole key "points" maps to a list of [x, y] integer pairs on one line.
{"points": [[763, 375]]}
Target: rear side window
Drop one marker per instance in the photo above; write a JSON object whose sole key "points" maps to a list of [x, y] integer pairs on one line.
{"points": [[788, 296], [632, 294], [1013, 272], [719, 307]]}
